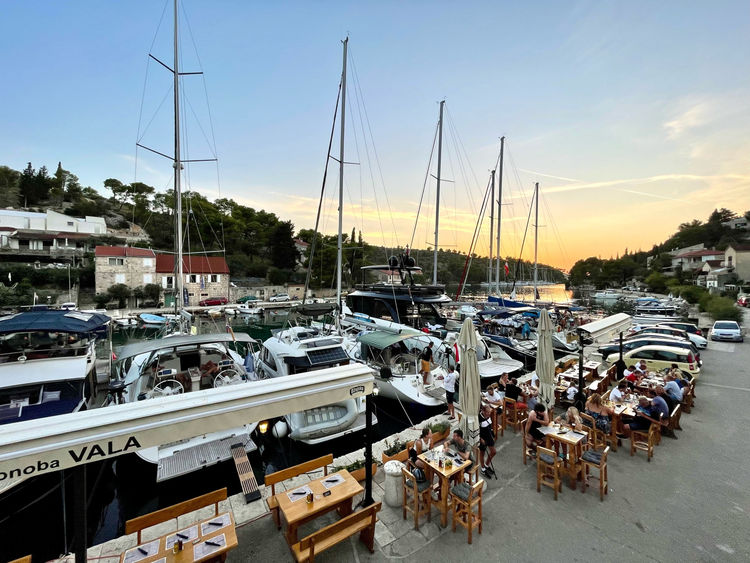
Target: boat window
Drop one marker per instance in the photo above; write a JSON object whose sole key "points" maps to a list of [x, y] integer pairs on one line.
{"points": [[482, 352], [20, 396], [62, 391], [268, 359]]}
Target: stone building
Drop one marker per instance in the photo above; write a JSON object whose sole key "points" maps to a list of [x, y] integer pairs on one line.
{"points": [[737, 256], [135, 267], [205, 276]]}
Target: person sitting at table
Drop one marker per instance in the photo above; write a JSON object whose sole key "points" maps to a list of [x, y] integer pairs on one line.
{"points": [[531, 395], [641, 367], [601, 414], [421, 445], [643, 418], [571, 417], [672, 388], [461, 447], [538, 417], [513, 391], [617, 395], [571, 392], [486, 439], [633, 377], [503, 383], [495, 398]]}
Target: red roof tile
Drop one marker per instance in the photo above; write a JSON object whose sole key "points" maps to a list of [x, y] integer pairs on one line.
{"points": [[165, 264], [124, 251], [740, 247], [698, 253]]}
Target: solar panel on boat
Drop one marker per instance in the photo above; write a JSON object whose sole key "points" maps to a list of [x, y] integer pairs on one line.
{"points": [[326, 356]]}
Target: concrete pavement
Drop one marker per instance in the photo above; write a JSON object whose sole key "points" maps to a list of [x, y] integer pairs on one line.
{"points": [[691, 502]]}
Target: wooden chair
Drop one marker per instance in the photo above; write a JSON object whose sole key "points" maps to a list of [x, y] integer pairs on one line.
{"points": [[523, 442], [687, 398], [173, 512], [597, 438], [362, 521], [512, 415], [674, 419], [417, 497], [597, 460], [645, 440], [472, 475], [548, 469], [464, 500], [274, 478]]}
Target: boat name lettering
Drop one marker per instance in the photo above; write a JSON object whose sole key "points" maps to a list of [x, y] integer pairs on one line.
{"points": [[98, 451], [357, 389], [29, 469]]}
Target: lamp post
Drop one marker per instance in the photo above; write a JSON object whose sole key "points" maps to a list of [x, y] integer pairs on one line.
{"points": [[580, 396], [368, 500]]}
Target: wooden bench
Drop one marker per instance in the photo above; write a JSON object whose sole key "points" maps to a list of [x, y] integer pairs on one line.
{"points": [[362, 521], [274, 478], [173, 512]]}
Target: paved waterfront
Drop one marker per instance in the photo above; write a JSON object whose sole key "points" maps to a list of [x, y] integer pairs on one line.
{"points": [[691, 503]]}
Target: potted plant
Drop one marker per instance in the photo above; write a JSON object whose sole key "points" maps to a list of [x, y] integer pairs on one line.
{"points": [[398, 451], [357, 469], [440, 431]]}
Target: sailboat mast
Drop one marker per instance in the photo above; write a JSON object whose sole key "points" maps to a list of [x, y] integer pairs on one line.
{"points": [[536, 237], [437, 200], [178, 302], [492, 227], [499, 215], [340, 249]]}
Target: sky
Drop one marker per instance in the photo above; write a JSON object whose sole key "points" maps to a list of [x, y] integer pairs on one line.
{"points": [[632, 116]]}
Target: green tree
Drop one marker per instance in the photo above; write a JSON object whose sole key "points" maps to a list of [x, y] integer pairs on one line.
{"points": [[73, 189], [656, 282], [120, 293], [152, 292], [283, 251], [9, 190]]}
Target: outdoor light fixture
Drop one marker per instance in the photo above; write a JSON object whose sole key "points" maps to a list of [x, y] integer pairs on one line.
{"points": [[263, 427]]}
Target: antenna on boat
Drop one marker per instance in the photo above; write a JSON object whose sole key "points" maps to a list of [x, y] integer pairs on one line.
{"points": [[437, 199]]}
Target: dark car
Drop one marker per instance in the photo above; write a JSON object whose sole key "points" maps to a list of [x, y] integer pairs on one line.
{"points": [[247, 298], [213, 301], [613, 349], [687, 327]]}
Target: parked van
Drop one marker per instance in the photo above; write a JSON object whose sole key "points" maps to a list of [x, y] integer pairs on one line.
{"points": [[658, 358]]}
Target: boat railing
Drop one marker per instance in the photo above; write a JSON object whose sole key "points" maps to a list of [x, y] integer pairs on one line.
{"points": [[43, 353]]}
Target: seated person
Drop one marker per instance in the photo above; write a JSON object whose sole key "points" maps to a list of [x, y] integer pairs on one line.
{"points": [[661, 403], [504, 381], [421, 445], [641, 367], [209, 369], [571, 392], [617, 395], [494, 398], [513, 391], [672, 388], [537, 418], [572, 418], [601, 414], [643, 418], [461, 447], [486, 439], [633, 376]]}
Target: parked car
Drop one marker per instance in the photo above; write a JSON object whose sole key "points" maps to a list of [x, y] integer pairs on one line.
{"points": [[697, 339], [211, 301], [658, 358], [611, 352], [726, 330], [657, 329], [743, 301], [687, 327], [279, 297], [247, 298]]}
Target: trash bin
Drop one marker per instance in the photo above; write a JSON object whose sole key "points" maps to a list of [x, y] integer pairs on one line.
{"points": [[393, 482]]}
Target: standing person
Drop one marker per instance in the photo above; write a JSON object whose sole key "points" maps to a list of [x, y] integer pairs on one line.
{"points": [[486, 439], [449, 384], [426, 358], [525, 330]]}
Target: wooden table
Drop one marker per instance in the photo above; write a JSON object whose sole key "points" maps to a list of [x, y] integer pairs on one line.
{"points": [[620, 410], [299, 511], [194, 548], [574, 441], [430, 459]]}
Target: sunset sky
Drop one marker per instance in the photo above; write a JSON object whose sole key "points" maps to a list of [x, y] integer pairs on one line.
{"points": [[632, 116]]}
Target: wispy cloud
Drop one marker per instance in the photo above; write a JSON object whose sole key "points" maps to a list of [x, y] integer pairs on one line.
{"points": [[535, 173], [694, 116]]}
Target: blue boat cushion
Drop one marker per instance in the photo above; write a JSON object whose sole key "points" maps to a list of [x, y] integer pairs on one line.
{"points": [[462, 491], [592, 456], [546, 458]]}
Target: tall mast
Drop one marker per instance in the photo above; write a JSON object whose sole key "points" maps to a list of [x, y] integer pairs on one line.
{"points": [[340, 249], [437, 201], [177, 168], [536, 236], [499, 214], [492, 226]]}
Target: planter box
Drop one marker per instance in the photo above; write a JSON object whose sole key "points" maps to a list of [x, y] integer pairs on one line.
{"points": [[359, 474], [438, 437], [401, 456]]}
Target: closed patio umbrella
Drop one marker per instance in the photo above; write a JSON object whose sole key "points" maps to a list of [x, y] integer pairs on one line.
{"points": [[545, 361], [470, 386]]}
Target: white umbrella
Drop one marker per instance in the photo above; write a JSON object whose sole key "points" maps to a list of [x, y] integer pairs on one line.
{"points": [[470, 396], [545, 361]]}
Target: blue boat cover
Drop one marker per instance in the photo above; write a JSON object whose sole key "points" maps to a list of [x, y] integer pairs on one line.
{"points": [[53, 321]]}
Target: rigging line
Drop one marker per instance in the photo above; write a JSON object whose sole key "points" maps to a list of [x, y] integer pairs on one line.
{"points": [[158, 26], [553, 223], [359, 159], [156, 112], [197, 120], [469, 256], [523, 243], [463, 148], [208, 222], [374, 149], [322, 193], [424, 185]]}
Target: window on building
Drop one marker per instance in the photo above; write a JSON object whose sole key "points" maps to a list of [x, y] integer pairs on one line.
{"points": [[192, 278], [117, 261], [148, 262], [70, 223], [214, 278], [36, 245], [148, 278], [119, 278], [167, 282], [729, 261]]}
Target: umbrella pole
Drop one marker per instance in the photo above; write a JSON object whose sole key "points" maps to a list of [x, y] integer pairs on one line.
{"points": [[580, 397]]}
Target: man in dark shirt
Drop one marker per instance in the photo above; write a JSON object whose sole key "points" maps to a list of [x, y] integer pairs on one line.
{"points": [[513, 391], [426, 358]]}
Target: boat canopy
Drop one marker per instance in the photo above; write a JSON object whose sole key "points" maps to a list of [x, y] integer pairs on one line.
{"points": [[608, 327], [314, 309], [381, 340], [53, 321], [139, 348]]}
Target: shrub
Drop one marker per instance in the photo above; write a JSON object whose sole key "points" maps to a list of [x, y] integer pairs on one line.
{"points": [[690, 293], [439, 427], [397, 447], [723, 308]]}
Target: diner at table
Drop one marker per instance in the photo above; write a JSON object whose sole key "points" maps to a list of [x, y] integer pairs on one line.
{"points": [[448, 464], [538, 417], [601, 413]]}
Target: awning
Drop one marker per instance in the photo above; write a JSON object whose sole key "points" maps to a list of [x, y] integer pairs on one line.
{"points": [[381, 340], [608, 327], [54, 321]]}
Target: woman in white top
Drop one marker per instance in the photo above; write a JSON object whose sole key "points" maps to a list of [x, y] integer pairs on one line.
{"points": [[421, 445]]}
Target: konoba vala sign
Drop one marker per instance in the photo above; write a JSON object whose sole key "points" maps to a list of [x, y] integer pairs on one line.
{"points": [[29, 466]]}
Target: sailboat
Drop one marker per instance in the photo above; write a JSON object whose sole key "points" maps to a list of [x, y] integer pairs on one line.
{"points": [[184, 362]]}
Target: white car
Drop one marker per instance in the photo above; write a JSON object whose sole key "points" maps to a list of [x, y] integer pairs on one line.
{"points": [[697, 339], [279, 297], [726, 330]]}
